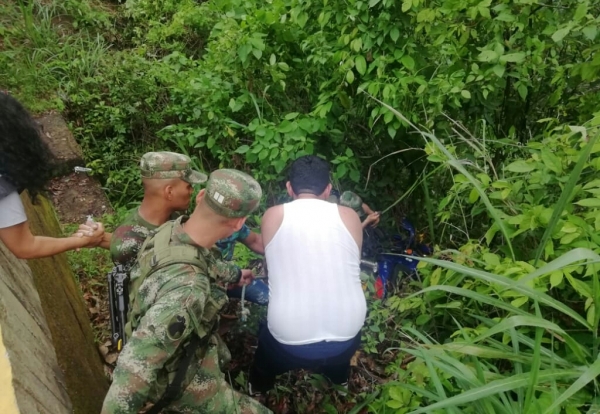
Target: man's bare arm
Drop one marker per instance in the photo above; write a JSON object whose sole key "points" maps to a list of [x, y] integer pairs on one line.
{"points": [[271, 222], [352, 223], [255, 243], [368, 210]]}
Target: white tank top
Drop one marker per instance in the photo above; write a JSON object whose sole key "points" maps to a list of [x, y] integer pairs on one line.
{"points": [[315, 292]]}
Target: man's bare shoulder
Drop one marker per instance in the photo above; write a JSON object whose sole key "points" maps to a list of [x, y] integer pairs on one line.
{"points": [[270, 223], [352, 223]]}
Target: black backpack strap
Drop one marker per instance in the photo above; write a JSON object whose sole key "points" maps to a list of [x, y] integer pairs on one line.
{"points": [[174, 388]]}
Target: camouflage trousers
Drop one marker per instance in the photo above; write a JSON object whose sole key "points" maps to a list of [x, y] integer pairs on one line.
{"points": [[209, 392]]}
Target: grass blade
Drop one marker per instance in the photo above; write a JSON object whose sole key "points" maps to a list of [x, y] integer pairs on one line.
{"points": [[515, 321], [497, 387], [589, 375], [495, 214], [564, 196], [508, 283], [535, 364]]}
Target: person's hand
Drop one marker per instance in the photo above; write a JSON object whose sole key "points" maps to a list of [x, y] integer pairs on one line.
{"points": [[247, 277], [91, 235], [372, 220]]}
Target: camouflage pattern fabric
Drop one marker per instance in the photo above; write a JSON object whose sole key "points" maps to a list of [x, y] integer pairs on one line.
{"points": [[128, 238], [171, 304], [227, 245], [352, 200], [232, 193], [169, 165]]}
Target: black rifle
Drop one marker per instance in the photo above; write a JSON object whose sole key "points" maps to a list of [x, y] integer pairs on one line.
{"points": [[118, 298]]}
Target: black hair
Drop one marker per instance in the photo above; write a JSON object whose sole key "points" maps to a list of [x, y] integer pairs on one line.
{"points": [[25, 158], [309, 174]]}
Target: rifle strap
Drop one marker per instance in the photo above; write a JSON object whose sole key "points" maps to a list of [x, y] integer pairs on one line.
{"points": [[174, 388]]}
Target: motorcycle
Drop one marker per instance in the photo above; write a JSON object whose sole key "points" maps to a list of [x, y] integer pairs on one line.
{"points": [[392, 260]]}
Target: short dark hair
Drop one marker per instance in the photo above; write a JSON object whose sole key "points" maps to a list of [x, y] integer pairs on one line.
{"points": [[25, 159], [309, 174]]}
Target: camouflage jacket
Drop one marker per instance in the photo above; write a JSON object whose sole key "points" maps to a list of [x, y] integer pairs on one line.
{"points": [[128, 238], [170, 305]]}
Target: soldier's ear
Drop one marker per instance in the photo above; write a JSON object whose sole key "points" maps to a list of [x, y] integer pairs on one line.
{"points": [[238, 223], [168, 192], [200, 196], [290, 191]]}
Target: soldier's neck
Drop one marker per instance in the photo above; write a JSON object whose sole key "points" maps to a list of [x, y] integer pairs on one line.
{"points": [[202, 231], [154, 212]]}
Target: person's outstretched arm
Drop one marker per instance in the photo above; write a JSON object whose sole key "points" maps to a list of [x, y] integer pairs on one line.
{"points": [[23, 244]]}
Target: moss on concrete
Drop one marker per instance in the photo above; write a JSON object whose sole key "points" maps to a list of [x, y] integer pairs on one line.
{"points": [[67, 317]]}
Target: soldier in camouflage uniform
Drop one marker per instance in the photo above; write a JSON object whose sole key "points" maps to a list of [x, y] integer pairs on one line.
{"points": [[368, 217], [180, 300], [168, 179]]}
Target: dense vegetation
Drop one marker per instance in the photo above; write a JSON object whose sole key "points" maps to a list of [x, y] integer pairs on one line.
{"points": [[479, 118]]}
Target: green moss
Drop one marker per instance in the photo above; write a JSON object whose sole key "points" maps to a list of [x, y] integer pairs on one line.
{"points": [[67, 317]]}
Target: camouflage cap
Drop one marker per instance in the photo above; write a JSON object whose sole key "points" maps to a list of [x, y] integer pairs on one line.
{"points": [[352, 200], [168, 165], [232, 193]]}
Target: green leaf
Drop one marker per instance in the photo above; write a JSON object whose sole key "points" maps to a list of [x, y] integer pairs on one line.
{"points": [[391, 131], [244, 51], [499, 70], [589, 202], [243, 149], [565, 195], [487, 56], [210, 142], [406, 5], [302, 19], [522, 89], [560, 34], [556, 278], [350, 76], [408, 62], [513, 57], [373, 3], [465, 94], [590, 32], [394, 34], [580, 12], [520, 167], [354, 175], [361, 64]]}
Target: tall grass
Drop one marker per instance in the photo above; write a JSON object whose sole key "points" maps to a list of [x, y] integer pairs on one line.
{"points": [[545, 369]]}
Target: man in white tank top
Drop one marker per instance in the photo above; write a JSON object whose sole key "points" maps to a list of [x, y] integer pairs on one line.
{"points": [[316, 304]]}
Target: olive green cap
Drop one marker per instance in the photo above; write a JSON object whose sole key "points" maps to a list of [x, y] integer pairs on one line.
{"points": [[169, 165], [232, 193]]}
